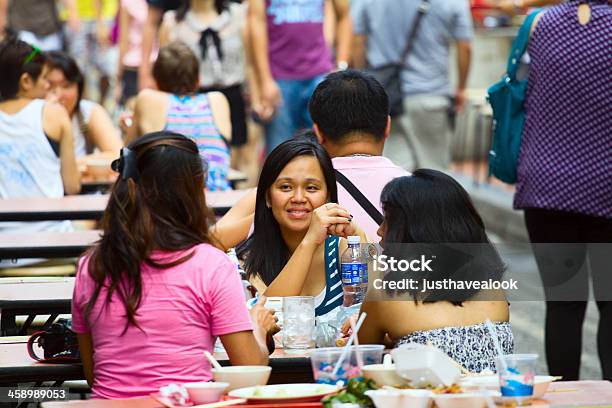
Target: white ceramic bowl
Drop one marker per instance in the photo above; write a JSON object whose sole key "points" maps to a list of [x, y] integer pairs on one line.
{"points": [[425, 365], [383, 374], [491, 382], [205, 392], [463, 400], [400, 398], [242, 376]]}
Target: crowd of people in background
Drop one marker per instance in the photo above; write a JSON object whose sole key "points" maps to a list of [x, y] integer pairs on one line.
{"points": [[180, 90]]}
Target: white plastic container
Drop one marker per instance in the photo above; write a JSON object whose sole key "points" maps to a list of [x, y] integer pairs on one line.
{"points": [[465, 400], [491, 382], [423, 365], [400, 398], [382, 374]]}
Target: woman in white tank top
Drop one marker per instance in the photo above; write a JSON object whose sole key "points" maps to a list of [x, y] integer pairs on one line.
{"points": [[36, 148]]}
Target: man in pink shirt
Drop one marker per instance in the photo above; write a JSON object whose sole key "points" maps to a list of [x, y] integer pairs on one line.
{"points": [[350, 111]]}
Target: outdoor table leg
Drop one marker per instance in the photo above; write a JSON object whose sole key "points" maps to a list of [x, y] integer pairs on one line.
{"points": [[50, 321], [26, 325], [8, 324]]}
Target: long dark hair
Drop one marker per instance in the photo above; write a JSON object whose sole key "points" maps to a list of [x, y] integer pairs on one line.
{"points": [[265, 252], [161, 206], [430, 206], [181, 12], [16, 58], [72, 73], [70, 69], [433, 211]]}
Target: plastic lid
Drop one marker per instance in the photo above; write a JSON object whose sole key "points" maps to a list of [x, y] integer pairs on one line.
{"points": [[354, 239]]}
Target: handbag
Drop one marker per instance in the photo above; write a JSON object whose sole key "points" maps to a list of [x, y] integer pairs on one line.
{"points": [[389, 75], [507, 99], [59, 343]]}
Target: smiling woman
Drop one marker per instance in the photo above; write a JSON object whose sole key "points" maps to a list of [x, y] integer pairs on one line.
{"points": [[296, 218], [297, 191]]}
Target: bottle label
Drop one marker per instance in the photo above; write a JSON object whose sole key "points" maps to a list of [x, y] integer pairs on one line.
{"points": [[354, 273]]}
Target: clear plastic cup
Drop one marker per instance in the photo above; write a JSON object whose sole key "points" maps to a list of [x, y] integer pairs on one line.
{"points": [[324, 361], [298, 322], [516, 374]]}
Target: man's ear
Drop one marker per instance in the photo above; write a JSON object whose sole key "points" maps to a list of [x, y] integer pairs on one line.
{"points": [[388, 127], [320, 137]]}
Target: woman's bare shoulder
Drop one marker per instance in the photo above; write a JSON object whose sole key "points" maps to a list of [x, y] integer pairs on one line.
{"points": [[55, 117], [150, 101], [147, 95]]}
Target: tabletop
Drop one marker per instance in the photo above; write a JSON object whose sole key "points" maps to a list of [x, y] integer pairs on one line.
{"points": [[90, 184], [29, 292], [560, 394], [88, 207], [46, 244]]}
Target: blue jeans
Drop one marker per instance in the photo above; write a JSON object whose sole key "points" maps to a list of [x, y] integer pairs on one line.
{"points": [[292, 114]]}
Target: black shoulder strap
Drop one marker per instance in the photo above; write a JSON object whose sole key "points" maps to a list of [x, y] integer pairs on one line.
{"points": [[360, 198], [421, 11]]}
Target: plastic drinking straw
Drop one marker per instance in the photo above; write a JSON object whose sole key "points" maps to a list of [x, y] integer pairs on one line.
{"points": [[500, 353], [347, 348], [359, 357]]}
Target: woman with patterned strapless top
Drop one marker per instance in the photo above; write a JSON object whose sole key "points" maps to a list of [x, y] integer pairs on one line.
{"points": [[204, 118], [431, 212]]}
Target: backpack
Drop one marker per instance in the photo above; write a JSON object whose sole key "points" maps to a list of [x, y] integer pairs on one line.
{"points": [[507, 99], [59, 344]]}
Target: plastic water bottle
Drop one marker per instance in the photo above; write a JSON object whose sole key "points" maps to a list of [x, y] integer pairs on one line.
{"points": [[354, 272]]}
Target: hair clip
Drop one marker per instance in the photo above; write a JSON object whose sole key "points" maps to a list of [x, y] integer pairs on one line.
{"points": [[35, 50], [126, 165]]}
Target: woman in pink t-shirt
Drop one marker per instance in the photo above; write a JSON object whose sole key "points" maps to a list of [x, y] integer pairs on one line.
{"points": [[154, 294]]}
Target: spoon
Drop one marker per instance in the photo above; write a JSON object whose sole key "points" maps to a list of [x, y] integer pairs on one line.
{"points": [[212, 360]]}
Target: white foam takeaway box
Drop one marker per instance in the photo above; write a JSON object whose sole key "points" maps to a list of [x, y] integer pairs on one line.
{"points": [[423, 365]]}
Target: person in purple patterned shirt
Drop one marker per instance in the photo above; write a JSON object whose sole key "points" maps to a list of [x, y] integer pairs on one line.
{"points": [[565, 174], [291, 57]]}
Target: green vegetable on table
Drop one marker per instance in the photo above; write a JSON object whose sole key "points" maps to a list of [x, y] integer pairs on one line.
{"points": [[353, 393]]}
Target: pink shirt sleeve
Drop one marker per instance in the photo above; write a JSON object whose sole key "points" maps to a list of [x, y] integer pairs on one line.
{"points": [[80, 297], [228, 310]]}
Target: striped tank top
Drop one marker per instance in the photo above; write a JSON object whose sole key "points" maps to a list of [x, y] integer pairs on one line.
{"points": [[192, 116], [331, 297]]}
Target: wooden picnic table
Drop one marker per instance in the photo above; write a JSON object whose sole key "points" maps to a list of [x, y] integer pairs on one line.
{"points": [[287, 367], [33, 298], [560, 394], [89, 207], [16, 366]]}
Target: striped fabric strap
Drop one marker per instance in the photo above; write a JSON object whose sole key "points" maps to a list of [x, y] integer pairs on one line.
{"points": [[333, 281]]}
